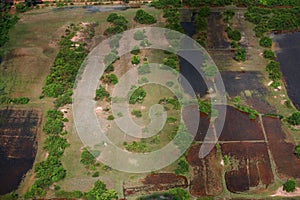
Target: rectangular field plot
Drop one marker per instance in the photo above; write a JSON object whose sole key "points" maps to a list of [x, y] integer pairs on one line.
{"points": [[206, 179], [18, 129], [155, 182], [248, 165], [287, 163]]}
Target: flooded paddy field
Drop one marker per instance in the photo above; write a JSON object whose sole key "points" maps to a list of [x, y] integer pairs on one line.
{"points": [[249, 166], [18, 129], [287, 163], [206, 179], [288, 56]]}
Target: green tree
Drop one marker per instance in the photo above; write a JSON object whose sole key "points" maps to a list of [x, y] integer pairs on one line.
{"points": [[289, 186], [265, 42], [294, 119], [143, 17], [100, 192]]}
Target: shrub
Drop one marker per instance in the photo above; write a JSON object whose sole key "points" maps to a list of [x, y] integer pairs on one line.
{"points": [[145, 43], [110, 117], [137, 96], [109, 68], [135, 50], [96, 174], [135, 59], [144, 69], [143, 17], [139, 35], [110, 78], [88, 157], [137, 113], [265, 42], [101, 93]]}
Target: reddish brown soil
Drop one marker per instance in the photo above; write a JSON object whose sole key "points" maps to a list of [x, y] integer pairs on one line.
{"points": [[287, 164], [206, 179], [238, 127], [157, 182], [251, 166]]}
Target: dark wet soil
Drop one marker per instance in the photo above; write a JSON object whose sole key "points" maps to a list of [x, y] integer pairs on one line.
{"points": [[288, 57], [18, 129]]}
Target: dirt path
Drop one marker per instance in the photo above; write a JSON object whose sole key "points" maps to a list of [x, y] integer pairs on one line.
{"points": [[281, 193]]}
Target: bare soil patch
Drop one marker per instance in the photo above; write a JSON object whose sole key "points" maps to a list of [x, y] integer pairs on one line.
{"points": [[238, 127], [18, 129]]}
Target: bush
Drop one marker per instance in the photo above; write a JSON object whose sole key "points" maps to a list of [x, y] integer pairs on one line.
{"points": [[110, 78], [88, 157], [135, 50], [145, 43], [137, 147], [137, 113], [144, 69], [268, 54], [96, 174], [135, 59], [110, 117], [101, 93], [265, 42], [143, 17], [289, 186], [137, 96], [139, 35], [109, 68]]}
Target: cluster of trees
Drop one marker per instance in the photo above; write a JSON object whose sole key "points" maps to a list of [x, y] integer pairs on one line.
{"points": [[172, 16], [274, 73], [268, 19], [51, 170], [166, 3], [240, 54], [294, 119], [6, 22], [201, 18], [60, 81], [143, 17], [118, 24]]}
